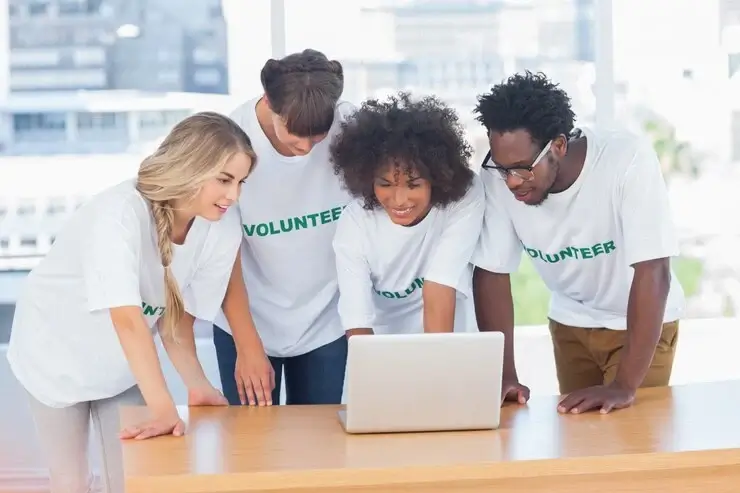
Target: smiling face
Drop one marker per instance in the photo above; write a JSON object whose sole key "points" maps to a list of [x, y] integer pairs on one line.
{"points": [[529, 169], [406, 197], [222, 191]]}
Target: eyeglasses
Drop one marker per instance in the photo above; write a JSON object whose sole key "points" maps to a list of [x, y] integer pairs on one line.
{"points": [[525, 173]]}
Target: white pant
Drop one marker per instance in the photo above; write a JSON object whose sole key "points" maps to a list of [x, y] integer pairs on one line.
{"points": [[64, 435]]}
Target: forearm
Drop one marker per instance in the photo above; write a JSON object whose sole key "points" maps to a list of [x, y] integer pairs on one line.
{"points": [[439, 307], [236, 311], [184, 356], [645, 311], [494, 310], [141, 353]]}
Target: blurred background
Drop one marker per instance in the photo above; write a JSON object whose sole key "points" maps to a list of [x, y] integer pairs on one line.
{"points": [[87, 87]]}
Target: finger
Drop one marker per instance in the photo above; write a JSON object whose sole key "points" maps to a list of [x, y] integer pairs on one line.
{"points": [[570, 401], [148, 432], [250, 391], [505, 391], [525, 394], [587, 404], [259, 392], [129, 433], [264, 383], [272, 380], [267, 386], [179, 429], [522, 397], [240, 389], [607, 407]]}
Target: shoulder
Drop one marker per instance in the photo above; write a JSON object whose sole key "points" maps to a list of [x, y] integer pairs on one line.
{"points": [[122, 202], [355, 219], [244, 113], [621, 150]]}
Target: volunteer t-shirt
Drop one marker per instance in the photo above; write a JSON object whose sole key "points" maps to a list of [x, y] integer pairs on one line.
{"points": [[289, 210], [382, 266], [584, 240], [63, 346]]}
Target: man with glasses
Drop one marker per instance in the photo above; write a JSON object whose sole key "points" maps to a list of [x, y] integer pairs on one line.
{"points": [[590, 208]]}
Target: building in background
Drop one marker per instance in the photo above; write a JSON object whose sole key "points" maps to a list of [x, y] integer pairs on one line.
{"points": [[145, 45], [459, 48]]}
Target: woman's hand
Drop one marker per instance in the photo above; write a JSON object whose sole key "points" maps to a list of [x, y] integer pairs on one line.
{"points": [[255, 377], [168, 423], [206, 395]]}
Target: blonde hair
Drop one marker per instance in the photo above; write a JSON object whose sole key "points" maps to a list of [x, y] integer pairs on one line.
{"points": [[194, 151]]}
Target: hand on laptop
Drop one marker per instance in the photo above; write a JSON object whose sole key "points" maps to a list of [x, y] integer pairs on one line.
{"points": [[513, 391]]}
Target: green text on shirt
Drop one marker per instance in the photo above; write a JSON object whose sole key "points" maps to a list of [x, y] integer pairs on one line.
{"points": [[295, 223], [572, 252]]}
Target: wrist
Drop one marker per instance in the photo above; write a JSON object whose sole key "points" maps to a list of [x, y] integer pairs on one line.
{"points": [[248, 343], [163, 407], [624, 385]]}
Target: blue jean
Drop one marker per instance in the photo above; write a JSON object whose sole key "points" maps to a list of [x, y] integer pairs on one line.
{"points": [[316, 377]]}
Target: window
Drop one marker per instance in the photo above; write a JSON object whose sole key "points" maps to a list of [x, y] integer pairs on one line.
{"points": [[29, 242], [31, 122], [96, 120], [4, 243], [56, 206], [26, 210]]}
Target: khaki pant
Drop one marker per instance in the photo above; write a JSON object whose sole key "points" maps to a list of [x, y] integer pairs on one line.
{"points": [[64, 435], [587, 357]]}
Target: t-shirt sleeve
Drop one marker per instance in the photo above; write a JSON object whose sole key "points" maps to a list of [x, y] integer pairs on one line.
{"points": [[356, 306], [455, 246], [204, 295], [111, 256], [499, 249], [647, 221]]}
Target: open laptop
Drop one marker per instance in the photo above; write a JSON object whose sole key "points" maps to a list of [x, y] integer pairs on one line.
{"points": [[423, 382]]}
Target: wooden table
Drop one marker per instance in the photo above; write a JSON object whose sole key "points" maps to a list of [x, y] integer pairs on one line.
{"points": [[675, 439]]}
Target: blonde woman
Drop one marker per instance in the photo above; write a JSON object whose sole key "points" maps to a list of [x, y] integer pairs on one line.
{"points": [[155, 251]]}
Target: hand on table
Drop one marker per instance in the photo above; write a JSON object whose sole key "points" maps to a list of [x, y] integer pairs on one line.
{"points": [[513, 391], [604, 397], [206, 395], [166, 424], [255, 377]]}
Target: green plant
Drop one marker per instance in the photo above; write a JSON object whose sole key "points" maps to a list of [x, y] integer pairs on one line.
{"points": [[532, 298]]}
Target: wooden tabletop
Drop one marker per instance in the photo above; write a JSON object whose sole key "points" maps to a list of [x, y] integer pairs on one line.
{"points": [[304, 446]]}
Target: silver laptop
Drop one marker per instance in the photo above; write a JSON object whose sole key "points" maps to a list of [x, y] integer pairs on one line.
{"points": [[423, 382]]}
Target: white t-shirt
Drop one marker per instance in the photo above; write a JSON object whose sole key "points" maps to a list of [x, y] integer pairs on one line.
{"points": [[289, 209], [382, 266], [63, 346], [583, 240]]}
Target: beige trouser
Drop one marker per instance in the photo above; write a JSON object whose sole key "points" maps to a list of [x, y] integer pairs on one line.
{"points": [[64, 435], [588, 357]]}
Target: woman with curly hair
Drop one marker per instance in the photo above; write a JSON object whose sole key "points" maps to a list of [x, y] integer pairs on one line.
{"points": [[403, 245]]}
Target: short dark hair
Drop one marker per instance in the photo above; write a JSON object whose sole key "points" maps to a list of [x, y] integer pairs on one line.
{"points": [[530, 102], [424, 135], [303, 88]]}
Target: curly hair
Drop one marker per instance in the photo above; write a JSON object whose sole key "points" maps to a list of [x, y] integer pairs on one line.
{"points": [[424, 136], [527, 101]]}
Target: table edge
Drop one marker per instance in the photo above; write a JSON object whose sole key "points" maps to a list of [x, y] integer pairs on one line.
{"points": [[355, 477]]}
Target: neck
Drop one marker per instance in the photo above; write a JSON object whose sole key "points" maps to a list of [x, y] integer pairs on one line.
{"points": [[571, 165], [264, 118]]}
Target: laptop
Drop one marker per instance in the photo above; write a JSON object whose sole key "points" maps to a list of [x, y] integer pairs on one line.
{"points": [[423, 382]]}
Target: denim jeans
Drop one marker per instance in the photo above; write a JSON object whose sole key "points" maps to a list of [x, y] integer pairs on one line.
{"points": [[316, 377]]}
